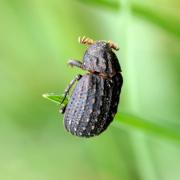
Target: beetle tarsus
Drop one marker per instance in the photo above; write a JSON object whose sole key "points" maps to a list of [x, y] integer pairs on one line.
{"points": [[62, 110]]}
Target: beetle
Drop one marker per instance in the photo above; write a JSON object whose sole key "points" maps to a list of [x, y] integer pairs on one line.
{"points": [[94, 100]]}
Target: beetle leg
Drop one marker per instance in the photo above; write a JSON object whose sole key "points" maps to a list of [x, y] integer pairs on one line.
{"points": [[76, 63], [77, 78], [85, 40], [62, 110], [113, 45]]}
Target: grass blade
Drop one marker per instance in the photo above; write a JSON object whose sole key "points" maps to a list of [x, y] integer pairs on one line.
{"points": [[56, 98], [148, 127]]}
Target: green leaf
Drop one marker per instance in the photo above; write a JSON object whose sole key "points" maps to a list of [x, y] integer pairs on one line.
{"points": [[148, 126], [110, 4], [56, 98]]}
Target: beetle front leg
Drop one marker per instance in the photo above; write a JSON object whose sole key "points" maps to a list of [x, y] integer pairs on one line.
{"points": [[77, 78], [76, 63]]}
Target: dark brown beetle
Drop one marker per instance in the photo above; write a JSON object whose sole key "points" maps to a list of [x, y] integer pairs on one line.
{"points": [[94, 100]]}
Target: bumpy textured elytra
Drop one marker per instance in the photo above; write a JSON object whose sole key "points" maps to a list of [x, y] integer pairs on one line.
{"points": [[94, 100]]}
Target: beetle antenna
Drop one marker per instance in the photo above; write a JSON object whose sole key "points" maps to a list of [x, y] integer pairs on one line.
{"points": [[85, 40], [113, 45]]}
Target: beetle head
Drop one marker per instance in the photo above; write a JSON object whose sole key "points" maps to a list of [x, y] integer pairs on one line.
{"points": [[100, 58]]}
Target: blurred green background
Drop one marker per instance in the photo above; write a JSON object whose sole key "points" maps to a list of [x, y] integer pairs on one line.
{"points": [[37, 37]]}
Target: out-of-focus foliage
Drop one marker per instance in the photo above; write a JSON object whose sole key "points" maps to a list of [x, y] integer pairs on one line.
{"points": [[109, 4], [36, 40]]}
